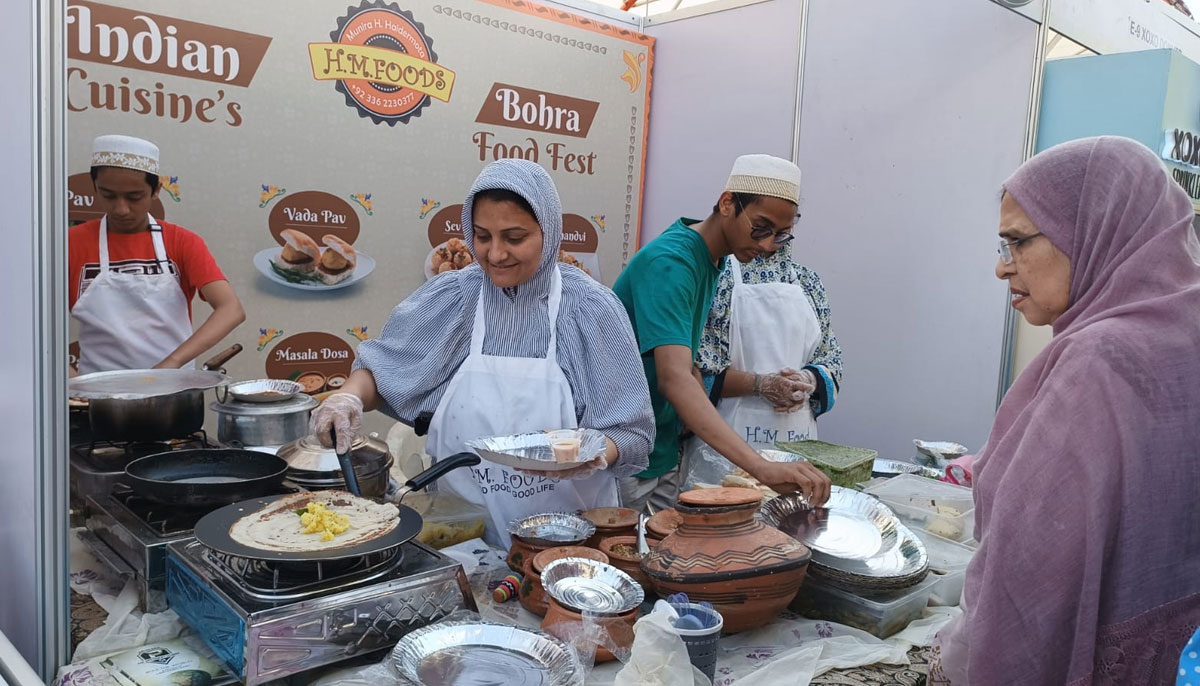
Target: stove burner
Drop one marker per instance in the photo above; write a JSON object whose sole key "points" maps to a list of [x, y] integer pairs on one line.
{"points": [[113, 456], [279, 581], [166, 521]]}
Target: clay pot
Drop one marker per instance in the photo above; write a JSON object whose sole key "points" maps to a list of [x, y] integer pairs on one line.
{"points": [[662, 524], [722, 554], [631, 564], [531, 594], [611, 521], [520, 551], [565, 624]]}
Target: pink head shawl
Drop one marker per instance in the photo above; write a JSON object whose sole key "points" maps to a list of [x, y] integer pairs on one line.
{"points": [[1087, 494]]}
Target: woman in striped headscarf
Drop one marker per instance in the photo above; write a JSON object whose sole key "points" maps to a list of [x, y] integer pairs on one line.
{"points": [[513, 343]]}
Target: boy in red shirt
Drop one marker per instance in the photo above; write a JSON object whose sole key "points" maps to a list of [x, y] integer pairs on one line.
{"points": [[132, 277]]}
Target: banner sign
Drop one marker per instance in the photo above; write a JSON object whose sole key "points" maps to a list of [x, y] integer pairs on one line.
{"points": [[357, 129]]}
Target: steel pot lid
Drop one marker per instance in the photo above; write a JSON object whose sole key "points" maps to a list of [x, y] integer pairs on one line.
{"points": [[297, 403], [137, 384], [307, 454]]}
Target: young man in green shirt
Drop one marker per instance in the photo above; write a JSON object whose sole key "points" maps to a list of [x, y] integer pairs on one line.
{"points": [[667, 288]]}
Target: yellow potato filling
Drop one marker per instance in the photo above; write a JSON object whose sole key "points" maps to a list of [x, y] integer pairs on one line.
{"points": [[317, 518]]}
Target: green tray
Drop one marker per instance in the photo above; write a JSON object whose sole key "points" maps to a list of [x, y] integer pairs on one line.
{"points": [[845, 466]]}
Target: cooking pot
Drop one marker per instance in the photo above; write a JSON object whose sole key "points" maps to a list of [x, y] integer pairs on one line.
{"points": [[149, 404], [263, 424], [315, 467]]}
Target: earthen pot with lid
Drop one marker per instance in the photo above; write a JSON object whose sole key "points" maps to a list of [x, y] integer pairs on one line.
{"points": [[722, 554], [611, 521]]}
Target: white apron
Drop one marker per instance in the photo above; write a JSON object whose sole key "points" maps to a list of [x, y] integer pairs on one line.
{"points": [[131, 321], [492, 395], [771, 326]]}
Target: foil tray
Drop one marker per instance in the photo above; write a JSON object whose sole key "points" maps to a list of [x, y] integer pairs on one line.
{"points": [[854, 539], [481, 653], [589, 586], [264, 390], [552, 529], [137, 384], [532, 450]]}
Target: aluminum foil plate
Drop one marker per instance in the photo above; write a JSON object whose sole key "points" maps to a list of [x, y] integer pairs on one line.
{"points": [[854, 535], [136, 384], [264, 390], [851, 526], [941, 450], [893, 468], [532, 450], [552, 529], [589, 586], [485, 654]]}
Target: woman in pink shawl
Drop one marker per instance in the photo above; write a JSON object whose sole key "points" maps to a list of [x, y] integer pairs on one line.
{"points": [[1086, 495]]}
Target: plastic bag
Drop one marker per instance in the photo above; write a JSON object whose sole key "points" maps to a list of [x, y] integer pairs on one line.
{"points": [[658, 657], [703, 466], [126, 626]]}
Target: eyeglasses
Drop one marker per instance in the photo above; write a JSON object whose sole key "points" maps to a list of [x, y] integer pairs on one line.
{"points": [[1005, 247], [760, 232]]}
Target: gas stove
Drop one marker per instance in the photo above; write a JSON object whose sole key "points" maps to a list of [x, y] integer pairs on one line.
{"points": [[97, 467], [132, 535], [268, 620]]}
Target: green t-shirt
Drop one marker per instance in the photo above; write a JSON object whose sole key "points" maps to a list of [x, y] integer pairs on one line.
{"points": [[667, 289]]}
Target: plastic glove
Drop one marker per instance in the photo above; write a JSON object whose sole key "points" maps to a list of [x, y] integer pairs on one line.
{"points": [[342, 412], [781, 391], [583, 471], [794, 477], [806, 379]]}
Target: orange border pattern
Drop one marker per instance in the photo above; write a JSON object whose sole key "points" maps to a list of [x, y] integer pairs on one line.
{"points": [[577, 21]]}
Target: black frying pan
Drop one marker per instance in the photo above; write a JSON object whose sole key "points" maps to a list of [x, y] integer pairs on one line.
{"points": [[193, 478], [213, 528]]}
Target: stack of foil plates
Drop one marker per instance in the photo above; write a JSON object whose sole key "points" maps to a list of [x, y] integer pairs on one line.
{"points": [[857, 542], [485, 653]]}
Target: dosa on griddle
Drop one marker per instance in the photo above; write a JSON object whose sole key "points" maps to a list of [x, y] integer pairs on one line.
{"points": [[277, 526]]}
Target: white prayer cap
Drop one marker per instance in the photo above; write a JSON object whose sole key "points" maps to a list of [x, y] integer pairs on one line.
{"points": [[765, 175], [126, 152]]}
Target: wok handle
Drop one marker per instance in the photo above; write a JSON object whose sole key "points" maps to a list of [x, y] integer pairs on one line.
{"points": [[440, 469], [224, 356]]}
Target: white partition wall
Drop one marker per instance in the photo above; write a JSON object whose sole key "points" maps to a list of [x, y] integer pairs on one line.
{"points": [[912, 115], [724, 85]]}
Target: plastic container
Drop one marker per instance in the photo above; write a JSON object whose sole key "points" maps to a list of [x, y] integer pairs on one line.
{"points": [[845, 466], [948, 562], [446, 519], [880, 615], [702, 643], [939, 508]]}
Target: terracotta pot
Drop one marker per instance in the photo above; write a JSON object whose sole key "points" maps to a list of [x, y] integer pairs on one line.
{"points": [[631, 564], [663, 524], [566, 624], [531, 594], [611, 521], [547, 556], [722, 554], [520, 551]]}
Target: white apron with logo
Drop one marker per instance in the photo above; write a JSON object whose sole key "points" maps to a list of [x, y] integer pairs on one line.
{"points": [[493, 395], [131, 321], [771, 326]]}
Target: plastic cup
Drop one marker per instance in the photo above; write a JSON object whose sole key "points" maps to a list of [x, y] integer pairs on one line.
{"points": [[702, 643], [565, 444]]}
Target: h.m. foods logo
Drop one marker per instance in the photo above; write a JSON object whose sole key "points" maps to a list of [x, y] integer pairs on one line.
{"points": [[383, 63]]}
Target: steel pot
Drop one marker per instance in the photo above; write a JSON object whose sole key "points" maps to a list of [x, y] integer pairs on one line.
{"points": [[132, 415], [315, 467], [263, 424]]}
